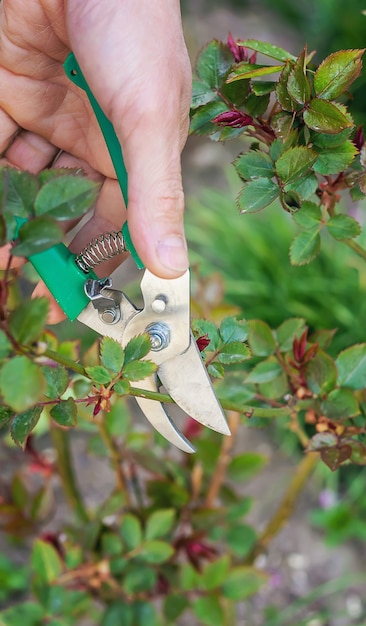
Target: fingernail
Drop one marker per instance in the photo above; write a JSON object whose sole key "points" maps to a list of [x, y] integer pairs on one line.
{"points": [[172, 252]]}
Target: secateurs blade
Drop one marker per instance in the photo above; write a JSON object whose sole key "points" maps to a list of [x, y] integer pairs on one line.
{"points": [[165, 315]]}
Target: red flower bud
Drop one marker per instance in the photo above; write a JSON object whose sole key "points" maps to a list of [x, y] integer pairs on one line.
{"points": [[203, 342], [239, 53], [234, 119], [192, 428], [359, 138]]}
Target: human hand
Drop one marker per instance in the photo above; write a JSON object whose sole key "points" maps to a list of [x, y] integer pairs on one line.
{"points": [[134, 58]]}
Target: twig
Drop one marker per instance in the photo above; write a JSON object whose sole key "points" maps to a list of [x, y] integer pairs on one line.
{"points": [[223, 461], [115, 458]]}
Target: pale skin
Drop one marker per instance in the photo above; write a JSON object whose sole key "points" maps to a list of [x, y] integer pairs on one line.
{"points": [[134, 58]]}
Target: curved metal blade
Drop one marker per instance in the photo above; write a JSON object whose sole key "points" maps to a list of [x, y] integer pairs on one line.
{"points": [[158, 418], [187, 381]]}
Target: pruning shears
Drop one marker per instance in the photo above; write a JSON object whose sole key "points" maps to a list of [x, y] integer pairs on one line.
{"points": [[165, 315]]}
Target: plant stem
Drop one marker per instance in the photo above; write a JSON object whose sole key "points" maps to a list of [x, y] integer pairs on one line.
{"points": [[287, 505], [223, 461], [60, 439], [115, 459], [356, 248]]}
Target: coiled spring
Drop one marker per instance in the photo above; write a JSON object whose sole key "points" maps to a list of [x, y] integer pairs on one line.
{"points": [[100, 249]]}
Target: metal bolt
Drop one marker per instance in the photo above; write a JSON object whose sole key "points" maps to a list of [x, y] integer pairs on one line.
{"points": [[110, 316], [159, 304], [159, 336]]}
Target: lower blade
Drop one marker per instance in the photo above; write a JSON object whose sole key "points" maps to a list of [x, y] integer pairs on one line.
{"points": [[159, 419], [187, 381]]}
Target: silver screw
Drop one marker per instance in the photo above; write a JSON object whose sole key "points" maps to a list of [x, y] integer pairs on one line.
{"points": [[159, 304], [110, 316], [159, 336]]}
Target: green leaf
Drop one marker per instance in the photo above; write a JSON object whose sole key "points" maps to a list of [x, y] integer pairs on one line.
{"points": [[245, 70], [216, 370], [326, 117], [265, 371], [21, 383], [241, 539], [65, 412], [208, 610], [174, 605], [57, 380], [201, 120], [28, 320], [232, 329], [351, 364], [131, 531], [37, 235], [188, 577], [298, 84], [206, 327], [255, 106], [340, 404], [254, 164], [305, 247], [268, 49], [322, 440], [66, 197], [46, 562], [246, 465], [23, 424], [343, 227], [234, 352], [286, 333], [324, 140], [118, 612], [159, 523], [243, 582], [335, 74], [139, 579], [99, 374], [309, 216], [202, 94], [138, 370], [282, 92], [335, 159], [321, 373], [156, 551], [5, 345], [112, 354], [215, 573], [305, 187], [122, 387], [137, 348], [256, 195], [19, 191], [213, 63], [261, 340], [295, 163], [263, 87], [145, 613], [6, 415]]}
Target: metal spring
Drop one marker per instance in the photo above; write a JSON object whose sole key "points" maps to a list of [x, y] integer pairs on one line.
{"points": [[100, 249]]}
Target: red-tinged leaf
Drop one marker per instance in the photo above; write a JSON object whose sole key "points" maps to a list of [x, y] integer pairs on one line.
{"points": [[23, 424], [246, 70], [268, 49], [336, 73], [298, 84], [213, 63], [334, 457], [326, 117]]}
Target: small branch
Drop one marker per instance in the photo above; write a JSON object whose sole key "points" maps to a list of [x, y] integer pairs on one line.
{"points": [[223, 460], [356, 248], [115, 458], [60, 439], [287, 505]]}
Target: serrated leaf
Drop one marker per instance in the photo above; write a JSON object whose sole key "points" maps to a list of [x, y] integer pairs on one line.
{"points": [[6, 415], [336, 73], [216, 370], [309, 216], [295, 163], [19, 191], [245, 70], [305, 247], [21, 383], [256, 195], [208, 610], [122, 387], [37, 235], [282, 92], [325, 117], [138, 370], [321, 373], [66, 197], [298, 84], [174, 605], [65, 412], [159, 523], [46, 562], [206, 327], [243, 582], [351, 364], [214, 573], [340, 404], [201, 120], [254, 164], [241, 539], [23, 424], [261, 340], [265, 371], [232, 329], [137, 348], [263, 87], [233, 352], [112, 354], [335, 159], [99, 374], [213, 63], [343, 227], [324, 140], [334, 457], [131, 531], [268, 49], [246, 465], [202, 94], [156, 551], [118, 613], [256, 106], [28, 320], [57, 379], [287, 332]]}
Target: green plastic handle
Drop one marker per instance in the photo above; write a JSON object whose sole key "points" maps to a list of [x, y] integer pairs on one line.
{"points": [[75, 74]]}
